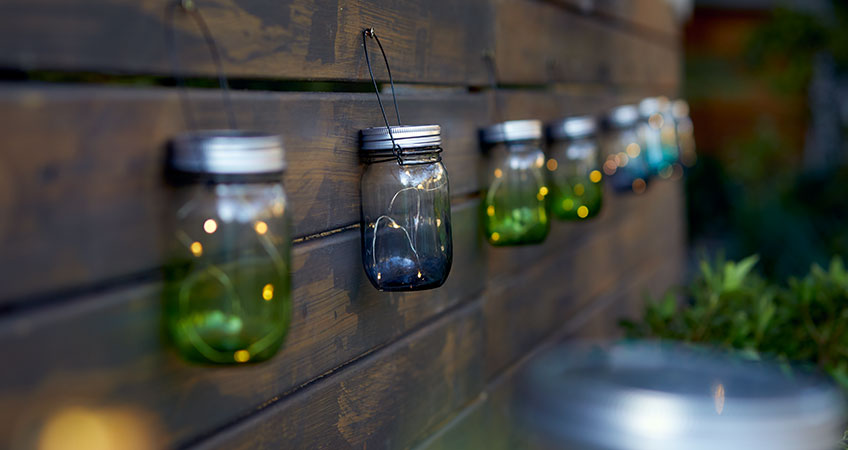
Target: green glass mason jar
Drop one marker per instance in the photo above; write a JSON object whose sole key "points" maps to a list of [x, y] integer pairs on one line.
{"points": [[574, 169], [514, 207], [227, 284]]}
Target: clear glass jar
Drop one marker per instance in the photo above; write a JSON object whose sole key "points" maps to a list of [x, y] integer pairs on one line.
{"points": [[227, 288], [574, 169], [406, 224], [660, 135], [625, 166], [514, 207], [685, 132]]}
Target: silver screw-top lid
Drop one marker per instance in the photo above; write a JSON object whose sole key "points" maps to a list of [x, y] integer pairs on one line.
{"points": [[623, 116], [227, 152], [512, 131], [660, 396], [377, 139], [653, 105], [573, 128]]}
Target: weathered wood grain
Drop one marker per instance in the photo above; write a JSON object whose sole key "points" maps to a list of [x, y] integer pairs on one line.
{"points": [[389, 400], [82, 196], [106, 352], [565, 273], [649, 16], [439, 41], [489, 422], [565, 48]]}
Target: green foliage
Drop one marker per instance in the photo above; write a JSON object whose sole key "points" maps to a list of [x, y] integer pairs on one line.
{"points": [[730, 305]]}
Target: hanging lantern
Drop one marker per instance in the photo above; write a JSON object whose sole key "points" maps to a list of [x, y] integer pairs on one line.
{"points": [[574, 170], [227, 287], [685, 132], [625, 166], [406, 225], [227, 295], [514, 203], [658, 126]]}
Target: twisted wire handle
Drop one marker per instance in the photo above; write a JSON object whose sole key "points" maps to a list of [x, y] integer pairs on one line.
{"points": [[369, 33]]}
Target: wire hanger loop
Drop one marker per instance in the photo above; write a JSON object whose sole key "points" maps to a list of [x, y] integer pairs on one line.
{"points": [[190, 8], [370, 33]]}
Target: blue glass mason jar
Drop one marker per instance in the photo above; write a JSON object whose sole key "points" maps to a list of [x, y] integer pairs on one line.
{"points": [[406, 221], [574, 168], [514, 207], [625, 166], [227, 294], [658, 126]]}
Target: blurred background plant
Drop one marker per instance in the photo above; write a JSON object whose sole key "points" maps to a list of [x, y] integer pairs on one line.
{"points": [[769, 95], [728, 304]]}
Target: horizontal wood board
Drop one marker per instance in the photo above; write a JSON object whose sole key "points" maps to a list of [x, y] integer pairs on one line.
{"points": [[438, 41], [85, 203]]}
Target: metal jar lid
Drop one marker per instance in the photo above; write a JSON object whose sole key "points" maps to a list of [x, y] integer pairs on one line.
{"points": [[653, 105], [377, 140], [573, 128], [623, 116], [227, 152], [664, 396], [512, 131]]}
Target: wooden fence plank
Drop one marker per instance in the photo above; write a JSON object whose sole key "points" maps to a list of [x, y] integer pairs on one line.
{"points": [[107, 352], [560, 282], [575, 49], [438, 41], [489, 422], [390, 400], [84, 202], [653, 16]]}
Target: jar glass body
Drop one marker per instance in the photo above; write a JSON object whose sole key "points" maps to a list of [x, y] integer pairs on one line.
{"points": [[626, 166], [514, 203], [227, 276], [575, 179], [406, 225], [661, 145]]}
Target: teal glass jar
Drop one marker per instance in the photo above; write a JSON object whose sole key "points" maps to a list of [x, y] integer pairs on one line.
{"points": [[514, 206], [685, 132], [625, 164], [227, 294], [574, 170], [658, 126]]}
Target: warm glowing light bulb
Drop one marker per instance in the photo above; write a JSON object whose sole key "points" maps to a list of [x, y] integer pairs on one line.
{"points": [[582, 212], [496, 236], [490, 210], [196, 248], [552, 164], [268, 292], [260, 227], [638, 185], [633, 150], [241, 356], [210, 226], [595, 176], [498, 173], [420, 275], [543, 191], [438, 222], [379, 275]]}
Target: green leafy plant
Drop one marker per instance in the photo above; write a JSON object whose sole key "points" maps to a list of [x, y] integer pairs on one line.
{"points": [[729, 305]]}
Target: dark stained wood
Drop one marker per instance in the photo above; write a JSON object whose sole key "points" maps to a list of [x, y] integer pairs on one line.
{"points": [[438, 41], [651, 16], [389, 400], [489, 421], [84, 203], [562, 275], [575, 49], [106, 352]]}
